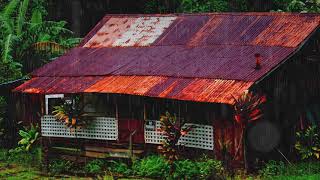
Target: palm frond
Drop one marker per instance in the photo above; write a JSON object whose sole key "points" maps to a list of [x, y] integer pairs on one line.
{"points": [[36, 17], [71, 42], [53, 47], [10, 8], [21, 16], [7, 49], [6, 24]]}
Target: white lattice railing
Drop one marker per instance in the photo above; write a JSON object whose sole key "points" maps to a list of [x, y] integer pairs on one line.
{"points": [[104, 128], [199, 137], [151, 135]]}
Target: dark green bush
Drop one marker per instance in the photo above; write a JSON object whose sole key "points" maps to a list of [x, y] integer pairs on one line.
{"points": [[94, 166], [151, 166], [209, 168], [119, 168], [60, 166], [273, 169], [20, 156], [186, 169], [3, 154]]}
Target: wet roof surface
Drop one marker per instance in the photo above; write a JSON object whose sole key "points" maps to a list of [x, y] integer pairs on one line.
{"points": [[197, 57]]}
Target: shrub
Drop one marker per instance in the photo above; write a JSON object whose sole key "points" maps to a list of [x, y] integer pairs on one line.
{"points": [[209, 167], [186, 169], [94, 166], [20, 156], [3, 154], [120, 168], [308, 143], [60, 166], [151, 166], [272, 168]]}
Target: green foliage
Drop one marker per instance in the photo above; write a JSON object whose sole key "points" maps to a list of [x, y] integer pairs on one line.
{"points": [[60, 166], [28, 137], [3, 155], [310, 6], [28, 158], [151, 166], [185, 169], [192, 6], [274, 169], [203, 169], [22, 29], [94, 166], [308, 143], [120, 168], [209, 167]]}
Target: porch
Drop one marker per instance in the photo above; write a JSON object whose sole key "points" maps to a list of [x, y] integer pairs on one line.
{"points": [[122, 125]]}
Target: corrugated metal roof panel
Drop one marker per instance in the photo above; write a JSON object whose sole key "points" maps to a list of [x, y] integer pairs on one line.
{"points": [[130, 31], [213, 62], [201, 90]]}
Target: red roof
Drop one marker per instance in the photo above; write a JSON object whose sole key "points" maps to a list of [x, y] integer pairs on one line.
{"points": [[197, 57]]}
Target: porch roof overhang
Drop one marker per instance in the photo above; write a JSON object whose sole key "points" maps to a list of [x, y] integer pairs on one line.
{"points": [[189, 89]]}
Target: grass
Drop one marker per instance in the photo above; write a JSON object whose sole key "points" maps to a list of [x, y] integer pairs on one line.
{"points": [[18, 172], [11, 171], [304, 177]]}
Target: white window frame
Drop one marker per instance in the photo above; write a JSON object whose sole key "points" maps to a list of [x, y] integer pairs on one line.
{"points": [[51, 96]]}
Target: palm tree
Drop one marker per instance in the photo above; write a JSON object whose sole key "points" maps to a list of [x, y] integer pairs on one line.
{"points": [[26, 40]]}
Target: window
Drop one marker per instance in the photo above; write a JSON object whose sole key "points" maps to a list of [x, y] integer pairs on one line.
{"points": [[99, 104], [53, 100]]}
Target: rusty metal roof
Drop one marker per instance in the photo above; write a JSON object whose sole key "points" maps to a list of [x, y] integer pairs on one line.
{"points": [[191, 89], [197, 57]]}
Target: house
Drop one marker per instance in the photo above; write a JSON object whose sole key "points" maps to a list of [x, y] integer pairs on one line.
{"points": [[130, 69]]}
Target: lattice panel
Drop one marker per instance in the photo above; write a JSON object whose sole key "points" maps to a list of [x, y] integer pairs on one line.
{"points": [[104, 128], [151, 135], [199, 137]]}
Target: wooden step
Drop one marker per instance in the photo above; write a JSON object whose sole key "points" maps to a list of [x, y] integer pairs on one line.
{"points": [[98, 152]]}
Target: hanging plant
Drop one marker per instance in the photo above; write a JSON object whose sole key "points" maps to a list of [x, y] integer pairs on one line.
{"points": [[70, 113], [247, 109]]}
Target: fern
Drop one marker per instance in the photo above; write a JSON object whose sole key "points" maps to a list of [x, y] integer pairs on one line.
{"points": [[36, 17], [6, 53], [6, 24], [10, 8], [21, 16]]}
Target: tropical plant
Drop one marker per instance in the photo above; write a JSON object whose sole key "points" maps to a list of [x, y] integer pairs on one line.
{"points": [[172, 130], [308, 143], [70, 113], [152, 166], [119, 168], [25, 36], [29, 136], [192, 6], [60, 166], [304, 6], [247, 109], [94, 166]]}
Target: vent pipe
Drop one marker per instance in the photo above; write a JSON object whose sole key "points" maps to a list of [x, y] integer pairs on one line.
{"points": [[258, 61]]}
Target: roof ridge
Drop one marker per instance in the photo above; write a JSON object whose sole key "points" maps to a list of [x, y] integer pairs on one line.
{"points": [[223, 13]]}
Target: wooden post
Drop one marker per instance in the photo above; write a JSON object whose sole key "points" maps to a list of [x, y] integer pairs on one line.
{"points": [[144, 112], [117, 115], [45, 155]]}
